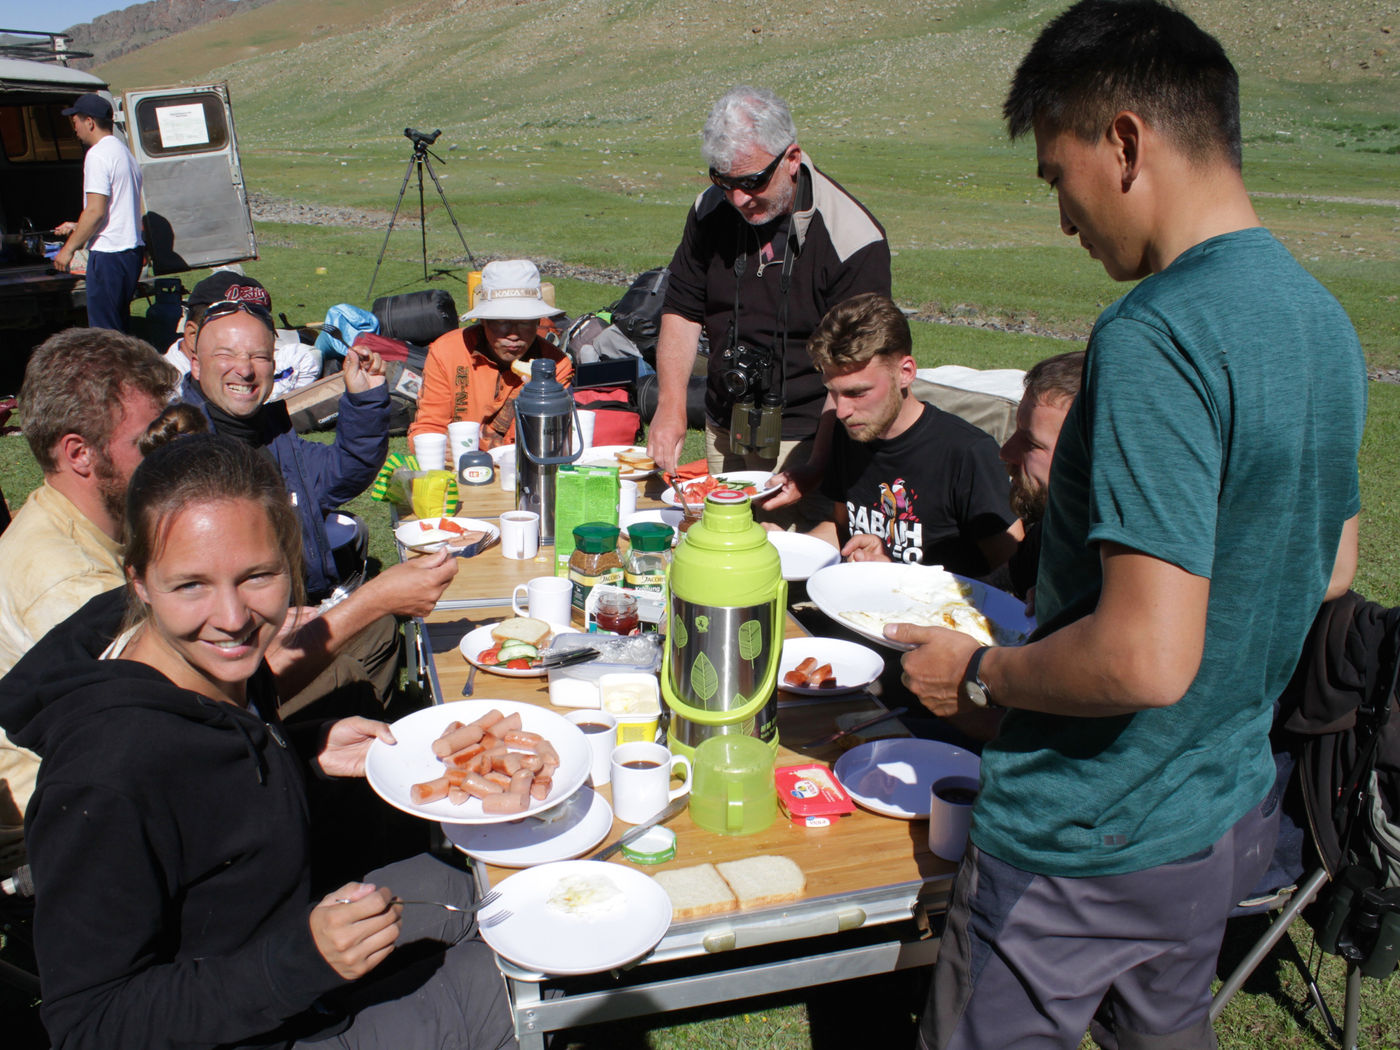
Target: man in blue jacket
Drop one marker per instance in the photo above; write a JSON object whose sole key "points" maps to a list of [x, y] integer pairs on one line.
{"points": [[230, 380]]}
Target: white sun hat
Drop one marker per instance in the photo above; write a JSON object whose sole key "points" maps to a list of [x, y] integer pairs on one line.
{"points": [[510, 291]]}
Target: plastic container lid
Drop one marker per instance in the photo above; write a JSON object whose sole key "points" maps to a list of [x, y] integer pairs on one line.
{"points": [[653, 846], [596, 537], [650, 536]]}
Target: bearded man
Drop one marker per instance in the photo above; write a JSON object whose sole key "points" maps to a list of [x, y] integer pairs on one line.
{"points": [[908, 482]]}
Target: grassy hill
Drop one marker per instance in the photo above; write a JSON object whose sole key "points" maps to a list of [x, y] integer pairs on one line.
{"points": [[570, 128]]}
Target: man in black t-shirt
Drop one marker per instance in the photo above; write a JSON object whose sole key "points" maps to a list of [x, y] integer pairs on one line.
{"points": [[908, 481]]}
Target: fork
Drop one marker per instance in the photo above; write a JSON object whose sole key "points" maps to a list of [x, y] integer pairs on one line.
{"points": [[494, 920], [471, 677], [469, 909]]}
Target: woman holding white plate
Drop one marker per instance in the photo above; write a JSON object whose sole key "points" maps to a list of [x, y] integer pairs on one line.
{"points": [[169, 832]]}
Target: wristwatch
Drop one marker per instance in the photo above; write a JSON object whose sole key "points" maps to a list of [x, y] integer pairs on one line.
{"points": [[972, 688]]}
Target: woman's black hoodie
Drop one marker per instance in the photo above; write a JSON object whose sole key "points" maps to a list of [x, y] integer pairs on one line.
{"points": [[168, 841]]}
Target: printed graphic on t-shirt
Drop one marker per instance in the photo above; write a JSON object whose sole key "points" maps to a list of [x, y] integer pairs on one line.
{"points": [[894, 521]]}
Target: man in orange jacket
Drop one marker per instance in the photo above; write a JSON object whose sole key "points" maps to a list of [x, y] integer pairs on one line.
{"points": [[475, 373]]}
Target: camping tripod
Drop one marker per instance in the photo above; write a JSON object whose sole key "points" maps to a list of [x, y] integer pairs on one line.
{"points": [[422, 157]]}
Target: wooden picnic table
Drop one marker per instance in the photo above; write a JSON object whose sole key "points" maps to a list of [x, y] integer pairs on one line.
{"points": [[873, 893]]}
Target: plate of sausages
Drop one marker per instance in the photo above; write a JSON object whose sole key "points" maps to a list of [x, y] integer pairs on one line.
{"points": [[827, 666], [479, 762]]}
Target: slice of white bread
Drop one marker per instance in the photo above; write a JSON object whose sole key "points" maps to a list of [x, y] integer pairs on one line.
{"points": [[754, 882], [763, 880], [523, 629], [696, 892]]}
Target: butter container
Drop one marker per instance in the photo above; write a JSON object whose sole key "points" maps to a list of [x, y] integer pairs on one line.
{"points": [[811, 795], [635, 701]]}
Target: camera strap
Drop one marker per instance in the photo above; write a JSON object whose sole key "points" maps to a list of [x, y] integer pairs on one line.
{"points": [[777, 379]]}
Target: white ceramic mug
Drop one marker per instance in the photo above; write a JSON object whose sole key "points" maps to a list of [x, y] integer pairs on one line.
{"points": [[547, 598], [520, 534], [600, 733], [641, 780], [950, 815], [462, 436], [626, 499], [583, 433], [431, 451]]}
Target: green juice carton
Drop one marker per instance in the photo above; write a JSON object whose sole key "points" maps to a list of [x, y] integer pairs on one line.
{"points": [[581, 495]]}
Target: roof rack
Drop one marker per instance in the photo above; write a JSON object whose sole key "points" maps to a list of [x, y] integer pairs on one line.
{"points": [[50, 47]]}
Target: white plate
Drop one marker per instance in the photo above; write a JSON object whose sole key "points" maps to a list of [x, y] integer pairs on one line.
{"points": [[606, 456], [582, 823], [882, 587], [757, 478], [802, 555], [854, 665], [392, 770], [476, 642], [409, 533], [671, 516], [537, 937], [894, 777]]}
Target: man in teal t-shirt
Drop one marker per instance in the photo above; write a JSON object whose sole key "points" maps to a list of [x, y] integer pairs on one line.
{"points": [[1202, 505]]}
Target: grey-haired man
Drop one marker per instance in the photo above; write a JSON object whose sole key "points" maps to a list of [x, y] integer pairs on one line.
{"points": [[767, 250]]}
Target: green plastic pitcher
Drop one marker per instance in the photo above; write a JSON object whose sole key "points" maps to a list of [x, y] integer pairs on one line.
{"points": [[733, 793]]}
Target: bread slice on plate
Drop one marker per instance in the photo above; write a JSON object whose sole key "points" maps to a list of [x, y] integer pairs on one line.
{"points": [[695, 892], [764, 880], [522, 629]]}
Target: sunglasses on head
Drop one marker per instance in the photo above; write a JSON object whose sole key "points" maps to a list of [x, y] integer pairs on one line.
{"points": [[225, 307], [753, 182]]}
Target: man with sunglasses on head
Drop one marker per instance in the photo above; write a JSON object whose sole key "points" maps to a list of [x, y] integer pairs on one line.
{"points": [[297, 363], [230, 380], [767, 250]]}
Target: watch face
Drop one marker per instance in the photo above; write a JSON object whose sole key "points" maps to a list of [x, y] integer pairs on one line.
{"points": [[975, 693]]}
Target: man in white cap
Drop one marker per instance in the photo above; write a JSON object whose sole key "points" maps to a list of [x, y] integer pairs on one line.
{"points": [[110, 225], [475, 373]]}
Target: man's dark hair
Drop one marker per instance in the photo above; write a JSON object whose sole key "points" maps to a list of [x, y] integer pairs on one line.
{"points": [[1104, 56], [857, 330], [74, 383], [1056, 378]]}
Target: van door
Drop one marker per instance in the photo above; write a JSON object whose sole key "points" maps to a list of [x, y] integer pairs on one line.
{"points": [[196, 204]]}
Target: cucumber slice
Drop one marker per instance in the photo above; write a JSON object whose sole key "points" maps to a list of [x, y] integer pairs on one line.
{"points": [[515, 650]]}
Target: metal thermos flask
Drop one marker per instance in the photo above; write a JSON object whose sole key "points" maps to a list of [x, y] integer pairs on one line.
{"points": [[724, 641], [544, 427]]}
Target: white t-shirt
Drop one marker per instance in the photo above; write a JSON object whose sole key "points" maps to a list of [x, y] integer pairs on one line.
{"points": [[111, 170]]}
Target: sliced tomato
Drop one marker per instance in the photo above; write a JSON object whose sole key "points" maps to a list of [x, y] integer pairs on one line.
{"points": [[448, 525], [519, 664], [489, 656]]}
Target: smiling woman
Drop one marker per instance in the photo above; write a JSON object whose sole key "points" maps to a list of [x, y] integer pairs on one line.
{"points": [[164, 756]]}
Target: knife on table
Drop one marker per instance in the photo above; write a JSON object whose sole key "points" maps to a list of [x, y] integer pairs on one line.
{"points": [[822, 741], [671, 810]]}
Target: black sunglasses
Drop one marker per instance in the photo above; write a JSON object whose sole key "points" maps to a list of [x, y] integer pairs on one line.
{"points": [[749, 183], [225, 307]]}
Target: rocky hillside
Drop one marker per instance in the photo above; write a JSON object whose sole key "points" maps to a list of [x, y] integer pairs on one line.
{"points": [[120, 32]]}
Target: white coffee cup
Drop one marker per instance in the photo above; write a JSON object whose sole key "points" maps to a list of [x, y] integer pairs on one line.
{"points": [[950, 815], [641, 780], [430, 450], [547, 598], [583, 433], [601, 742], [462, 436], [626, 499], [520, 534]]}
